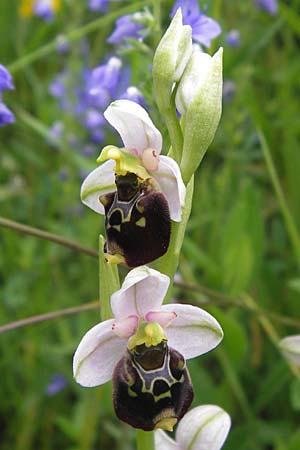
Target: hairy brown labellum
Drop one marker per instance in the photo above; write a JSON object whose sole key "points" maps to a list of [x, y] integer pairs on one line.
{"points": [[137, 221], [151, 387]]}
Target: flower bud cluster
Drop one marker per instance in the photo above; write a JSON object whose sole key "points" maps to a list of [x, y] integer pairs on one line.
{"points": [[193, 78]]}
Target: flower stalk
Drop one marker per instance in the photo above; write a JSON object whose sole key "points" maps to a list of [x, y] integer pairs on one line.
{"points": [[145, 440], [168, 263], [108, 282]]}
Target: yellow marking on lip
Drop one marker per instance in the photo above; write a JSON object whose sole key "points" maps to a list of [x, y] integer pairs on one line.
{"points": [[114, 259], [167, 423], [141, 222]]}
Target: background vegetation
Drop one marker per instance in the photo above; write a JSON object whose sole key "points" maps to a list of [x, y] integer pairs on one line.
{"points": [[241, 254]]}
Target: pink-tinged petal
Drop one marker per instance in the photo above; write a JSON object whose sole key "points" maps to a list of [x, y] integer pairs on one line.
{"points": [[97, 354], [124, 328], [134, 125], [170, 181], [193, 332], [99, 182], [164, 318], [143, 290], [202, 428], [164, 442]]}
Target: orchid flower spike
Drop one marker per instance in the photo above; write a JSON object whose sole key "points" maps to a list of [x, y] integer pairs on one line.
{"points": [[203, 428], [139, 189], [143, 348]]}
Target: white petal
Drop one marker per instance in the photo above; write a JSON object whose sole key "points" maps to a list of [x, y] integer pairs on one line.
{"points": [[134, 125], [164, 442], [290, 347], [193, 332], [170, 181], [99, 182], [204, 427], [143, 290], [97, 354]]}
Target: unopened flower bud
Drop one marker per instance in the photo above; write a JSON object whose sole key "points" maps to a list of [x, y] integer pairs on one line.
{"points": [[199, 99], [170, 59]]}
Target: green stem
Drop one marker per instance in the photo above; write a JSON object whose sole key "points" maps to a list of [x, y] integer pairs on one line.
{"points": [[25, 229], [156, 4], [287, 216], [235, 384], [108, 281], [145, 440], [74, 35], [168, 263], [175, 133]]}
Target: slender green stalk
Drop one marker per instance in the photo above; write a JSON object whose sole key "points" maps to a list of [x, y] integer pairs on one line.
{"points": [[168, 263], [25, 229], [108, 281], [270, 331], [75, 35], [145, 440], [235, 384], [48, 316], [287, 216], [175, 133]]}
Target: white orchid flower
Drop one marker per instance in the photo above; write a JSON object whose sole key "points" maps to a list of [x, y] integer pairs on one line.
{"points": [[203, 428], [188, 329], [290, 348], [143, 141]]}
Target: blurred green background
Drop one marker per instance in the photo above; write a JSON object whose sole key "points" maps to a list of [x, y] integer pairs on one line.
{"points": [[241, 252]]}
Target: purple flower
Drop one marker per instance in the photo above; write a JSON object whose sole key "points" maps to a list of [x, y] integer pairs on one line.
{"points": [[86, 93], [62, 44], [93, 119], [204, 28], [6, 115], [233, 38], [57, 87], [101, 82], [270, 6], [57, 383], [97, 136], [88, 150], [5, 79], [98, 5], [132, 93], [126, 27], [56, 130], [44, 9]]}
